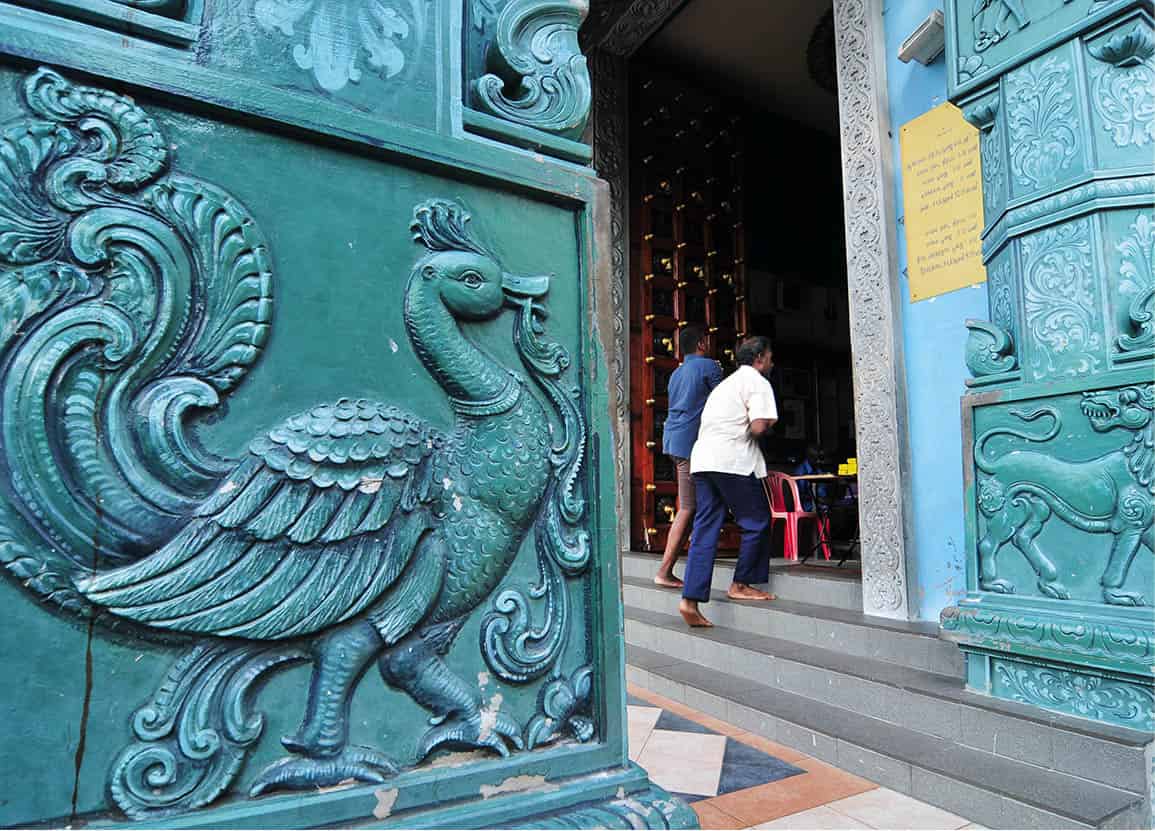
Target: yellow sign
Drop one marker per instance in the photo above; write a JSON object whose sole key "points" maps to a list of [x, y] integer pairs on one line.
{"points": [[943, 202]]}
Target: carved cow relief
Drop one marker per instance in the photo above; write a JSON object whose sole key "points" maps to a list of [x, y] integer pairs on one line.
{"points": [[419, 542]]}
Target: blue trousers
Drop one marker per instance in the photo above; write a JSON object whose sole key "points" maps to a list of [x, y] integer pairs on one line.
{"points": [[746, 499]]}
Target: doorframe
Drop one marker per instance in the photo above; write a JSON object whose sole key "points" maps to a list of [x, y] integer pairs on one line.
{"points": [[619, 28]]}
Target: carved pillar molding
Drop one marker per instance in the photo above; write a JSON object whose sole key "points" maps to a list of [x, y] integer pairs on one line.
{"points": [[875, 326], [610, 75], [1058, 447], [528, 83]]}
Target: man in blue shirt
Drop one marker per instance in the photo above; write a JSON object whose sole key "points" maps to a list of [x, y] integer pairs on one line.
{"points": [[690, 385]]}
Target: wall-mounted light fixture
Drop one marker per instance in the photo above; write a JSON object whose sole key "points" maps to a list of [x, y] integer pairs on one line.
{"points": [[926, 42]]}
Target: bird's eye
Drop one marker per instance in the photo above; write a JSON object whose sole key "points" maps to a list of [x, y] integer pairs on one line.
{"points": [[472, 279]]}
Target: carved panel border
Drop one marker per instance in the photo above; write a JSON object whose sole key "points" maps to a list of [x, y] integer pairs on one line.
{"points": [[879, 374], [610, 125], [875, 326]]}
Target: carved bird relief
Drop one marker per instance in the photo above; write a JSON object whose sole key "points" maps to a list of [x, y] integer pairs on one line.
{"points": [[350, 535]]}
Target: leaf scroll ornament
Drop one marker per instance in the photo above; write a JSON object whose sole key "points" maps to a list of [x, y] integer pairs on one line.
{"points": [[1042, 121], [538, 75], [1137, 271], [339, 34]]}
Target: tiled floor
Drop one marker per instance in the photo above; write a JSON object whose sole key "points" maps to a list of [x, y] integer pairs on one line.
{"points": [[735, 779]]}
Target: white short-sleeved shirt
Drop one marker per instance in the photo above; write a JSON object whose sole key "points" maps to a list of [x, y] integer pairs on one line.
{"points": [[724, 442]]}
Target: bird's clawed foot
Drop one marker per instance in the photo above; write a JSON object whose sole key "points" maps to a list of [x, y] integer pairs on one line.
{"points": [[359, 764], [483, 729]]}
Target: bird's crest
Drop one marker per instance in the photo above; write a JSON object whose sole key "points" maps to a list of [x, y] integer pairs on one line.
{"points": [[442, 225]]}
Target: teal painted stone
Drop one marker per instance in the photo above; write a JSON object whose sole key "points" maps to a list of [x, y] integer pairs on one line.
{"points": [[1060, 454], [306, 505]]}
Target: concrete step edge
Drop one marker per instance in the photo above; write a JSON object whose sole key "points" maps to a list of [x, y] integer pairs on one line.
{"points": [[810, 727], [916, 682], [827, 627]]}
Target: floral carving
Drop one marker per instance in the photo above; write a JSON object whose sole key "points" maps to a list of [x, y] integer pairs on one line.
{"points": [[1137, 271], [872, 327], [340, 34], [991, 147], [1042, 121], [1061, 301], [1000, 286], [1123, 86], [1080, 694], [1023, 628]]}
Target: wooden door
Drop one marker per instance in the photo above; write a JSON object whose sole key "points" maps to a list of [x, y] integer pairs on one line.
{"points": [[687, 267]]}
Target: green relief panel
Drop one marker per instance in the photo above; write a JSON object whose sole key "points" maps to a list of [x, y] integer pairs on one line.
{"points": [[1129, 243], [302, 513], [1042, 107], [986, 37], [377, 57], [1062, 326], [1062, 490], [525, 78], [1121, 90]]}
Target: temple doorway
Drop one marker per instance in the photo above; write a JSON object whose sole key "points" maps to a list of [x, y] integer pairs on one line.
{"points": [[736, 218]]}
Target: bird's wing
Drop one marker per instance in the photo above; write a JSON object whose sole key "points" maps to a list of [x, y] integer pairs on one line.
{"points": [[309, 530]]}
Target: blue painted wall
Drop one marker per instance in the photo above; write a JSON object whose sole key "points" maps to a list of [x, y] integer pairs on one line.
{"points": [[934, 338]]}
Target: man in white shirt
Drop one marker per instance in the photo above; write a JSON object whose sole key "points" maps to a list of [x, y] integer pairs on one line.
{"points": [[727, 468]]}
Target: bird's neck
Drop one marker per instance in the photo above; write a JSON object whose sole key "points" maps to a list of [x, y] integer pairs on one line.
{"points": [[476, 383]]}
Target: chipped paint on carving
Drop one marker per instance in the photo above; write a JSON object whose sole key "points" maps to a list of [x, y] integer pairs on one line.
{"points": [[489, 715], [370, 484], [518, 784], [386, 799]]}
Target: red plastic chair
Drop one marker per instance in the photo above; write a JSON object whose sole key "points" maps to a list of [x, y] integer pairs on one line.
{"points": [[790, 511], [821, 523], [775, 486]]}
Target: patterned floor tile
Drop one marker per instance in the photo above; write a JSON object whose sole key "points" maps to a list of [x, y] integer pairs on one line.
{"points": [[745, 766], [673, 721], [820, 785], [684, 762], [710, 816], [821, 818], [884, 808]]}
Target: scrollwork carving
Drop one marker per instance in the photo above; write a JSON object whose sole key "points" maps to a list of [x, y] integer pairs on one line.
{"points": [[1061, 302], [1138, 284], [1041, 120], [538, 74], [875, 355], [1123, 85], [990, 349], [1080, 694], [1027, 629]]}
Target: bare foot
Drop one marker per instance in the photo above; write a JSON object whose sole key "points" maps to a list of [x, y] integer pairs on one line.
{"points": [[667, 581], [740, 591], [690, 614]]}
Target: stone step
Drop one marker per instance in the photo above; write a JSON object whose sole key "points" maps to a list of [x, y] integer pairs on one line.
{"points": [[987, 788], [825, 585], [934, 705], [913, 644]]}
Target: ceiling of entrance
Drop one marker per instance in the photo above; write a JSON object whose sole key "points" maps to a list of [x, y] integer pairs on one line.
{"points": [[756, 47]]}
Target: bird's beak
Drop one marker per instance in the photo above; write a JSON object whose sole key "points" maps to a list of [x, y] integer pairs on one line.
{"points": [[536, 285]]}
